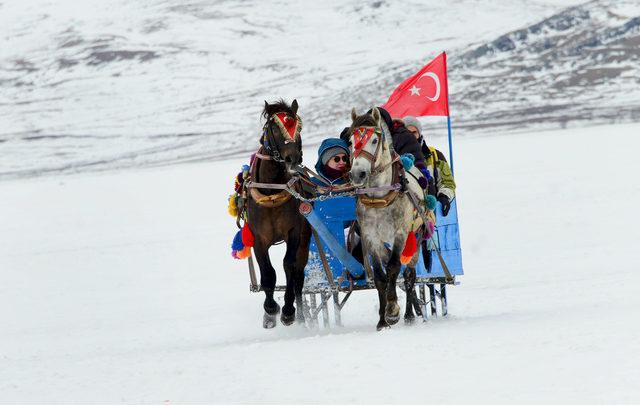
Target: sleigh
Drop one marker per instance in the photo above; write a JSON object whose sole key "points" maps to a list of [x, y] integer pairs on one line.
{"points": [[332, 273]]}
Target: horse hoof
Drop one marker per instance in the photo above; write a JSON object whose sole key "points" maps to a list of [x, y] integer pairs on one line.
{"points": [[287, 319], [409, 320], [392, 313], [272, 310], [269, 321], [382, 325], [391, 320]]}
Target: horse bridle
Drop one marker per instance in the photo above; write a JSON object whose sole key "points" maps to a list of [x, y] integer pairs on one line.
{"points": [[365, 134], [267, 133]]}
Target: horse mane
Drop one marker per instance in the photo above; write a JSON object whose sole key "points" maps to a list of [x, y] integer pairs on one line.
{"points": [[278, 106], [364, 120]]}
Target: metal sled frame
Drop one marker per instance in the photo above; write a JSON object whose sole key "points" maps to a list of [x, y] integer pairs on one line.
{"points": [[343, 274]]}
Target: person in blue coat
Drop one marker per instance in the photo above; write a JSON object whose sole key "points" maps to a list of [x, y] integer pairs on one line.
{"points": [[333, 167], [333, 161]]}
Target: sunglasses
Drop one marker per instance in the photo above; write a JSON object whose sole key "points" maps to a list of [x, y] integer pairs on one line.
{"points": [[338, 158]]}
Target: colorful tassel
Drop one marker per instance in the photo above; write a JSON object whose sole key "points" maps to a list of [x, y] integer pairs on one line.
{"points": [[238, 249], [233, 206], [237, 242], [430, 229], [426, 173], [247, 236], [407, 161], [410, 248], [244, 253], [431, 202]]}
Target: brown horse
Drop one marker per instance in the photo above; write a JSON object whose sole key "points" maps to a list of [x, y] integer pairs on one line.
{"points": [[273, 214]]}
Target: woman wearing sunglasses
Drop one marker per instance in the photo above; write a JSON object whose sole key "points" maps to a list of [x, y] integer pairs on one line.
{"points": [[333, 161]]}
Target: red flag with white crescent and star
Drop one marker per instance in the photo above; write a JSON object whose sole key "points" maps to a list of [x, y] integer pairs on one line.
{"points": [[424, 94]]}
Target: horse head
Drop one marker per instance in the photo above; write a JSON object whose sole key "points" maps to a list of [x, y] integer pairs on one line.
{"points": [[369, 142], [281, 133]]}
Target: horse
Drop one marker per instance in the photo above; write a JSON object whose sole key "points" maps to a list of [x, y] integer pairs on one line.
{"points": [[273, 214], [386, 215]]}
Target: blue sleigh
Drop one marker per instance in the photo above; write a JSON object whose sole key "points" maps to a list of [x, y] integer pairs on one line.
{"points": [[332, 270]]}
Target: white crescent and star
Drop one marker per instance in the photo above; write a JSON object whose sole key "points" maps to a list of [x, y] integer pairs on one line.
{"points": [[415, 91]]}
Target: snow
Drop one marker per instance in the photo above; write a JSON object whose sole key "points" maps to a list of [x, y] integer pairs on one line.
{"points": [[119, 288], [116, 83]]}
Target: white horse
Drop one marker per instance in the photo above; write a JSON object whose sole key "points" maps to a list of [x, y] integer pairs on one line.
{"points": [[386, 216]]}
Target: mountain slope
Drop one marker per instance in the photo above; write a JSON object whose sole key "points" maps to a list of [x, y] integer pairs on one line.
{"points": [[117, 84]]}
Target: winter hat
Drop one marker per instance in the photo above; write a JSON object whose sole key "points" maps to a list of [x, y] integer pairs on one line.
{"points": [[410, 121], [331, 152]]}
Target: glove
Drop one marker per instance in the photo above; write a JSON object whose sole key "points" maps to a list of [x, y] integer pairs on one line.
{"points": [[446, 205]]}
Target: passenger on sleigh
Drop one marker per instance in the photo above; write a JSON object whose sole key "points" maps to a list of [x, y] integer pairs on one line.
{"points": [[333, 169], [333, 162], [442, 186]]}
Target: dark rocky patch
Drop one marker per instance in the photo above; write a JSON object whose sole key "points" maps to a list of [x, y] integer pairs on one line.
{"points": [[99, 57]]}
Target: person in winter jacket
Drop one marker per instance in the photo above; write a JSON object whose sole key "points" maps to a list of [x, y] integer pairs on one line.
{"points": [[403, 142], [443, 186], [333, 167], [333, 161]]}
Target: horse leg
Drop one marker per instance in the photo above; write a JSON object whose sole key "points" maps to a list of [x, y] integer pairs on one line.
{"points": [[289, 264], [380, 280], [302, 256], [267, 283], [392, 309], [412, 297], [409, 280]]}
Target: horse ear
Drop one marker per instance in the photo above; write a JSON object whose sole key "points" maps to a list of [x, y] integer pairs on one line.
{"points": [[354, 115], [294, 106], [376, 115], [266, 104]]}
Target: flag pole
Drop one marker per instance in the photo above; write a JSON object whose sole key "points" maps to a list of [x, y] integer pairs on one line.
{"points": [[450, 145], [449, 117]]}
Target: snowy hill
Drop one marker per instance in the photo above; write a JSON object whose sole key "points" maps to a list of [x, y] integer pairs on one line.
{"points": [[110, 84], [119, 288], [579, 66]]}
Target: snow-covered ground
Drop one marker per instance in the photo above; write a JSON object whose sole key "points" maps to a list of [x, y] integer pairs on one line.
{"points": [[119, 288]]}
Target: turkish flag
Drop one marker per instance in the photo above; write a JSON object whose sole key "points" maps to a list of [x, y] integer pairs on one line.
{"points": [[424, 94]]}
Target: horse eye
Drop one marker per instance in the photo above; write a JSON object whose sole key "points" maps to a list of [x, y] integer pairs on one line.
{"points": [[374, 141]]}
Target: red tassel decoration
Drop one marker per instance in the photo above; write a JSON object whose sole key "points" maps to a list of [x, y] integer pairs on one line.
{"points": [[410, 248], [247, 236]]}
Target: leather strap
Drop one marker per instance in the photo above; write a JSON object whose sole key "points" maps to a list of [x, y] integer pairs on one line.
{"points": [[263, 200], [389, 198]]}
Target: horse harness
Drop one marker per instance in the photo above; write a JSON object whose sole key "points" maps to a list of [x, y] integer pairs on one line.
{"points": [[264, 200], [362, 135], [290, 131]]}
